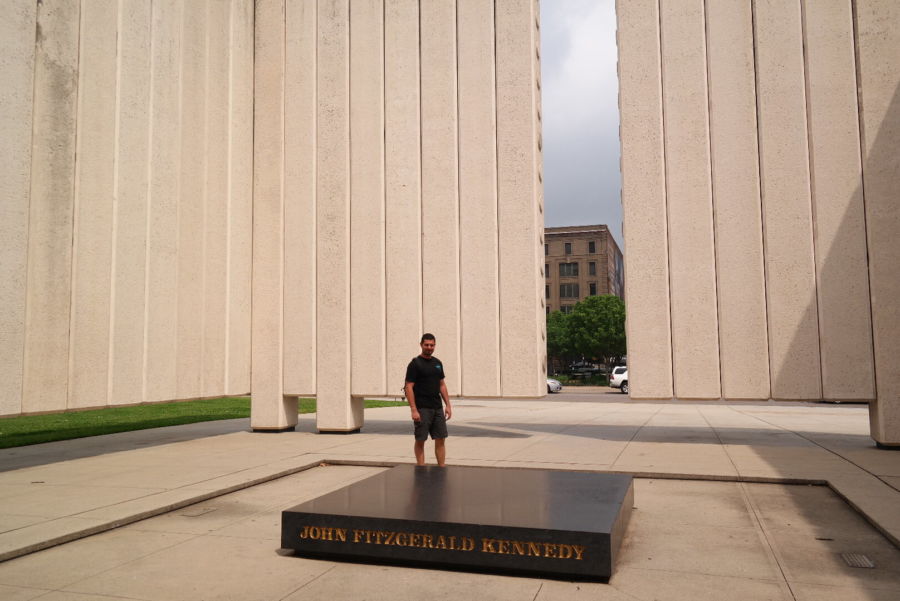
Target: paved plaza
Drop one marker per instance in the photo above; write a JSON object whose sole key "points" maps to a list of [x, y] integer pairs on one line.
{"points": [[732, 500]]}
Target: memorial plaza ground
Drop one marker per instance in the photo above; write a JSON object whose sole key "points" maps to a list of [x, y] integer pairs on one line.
{"points": [[732, 501]]}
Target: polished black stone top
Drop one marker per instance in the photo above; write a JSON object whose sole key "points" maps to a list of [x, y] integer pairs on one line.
{"points": [[526, 498]]}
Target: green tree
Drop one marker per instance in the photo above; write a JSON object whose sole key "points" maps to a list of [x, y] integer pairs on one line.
{"points": [[559, 341], [597, 328]]}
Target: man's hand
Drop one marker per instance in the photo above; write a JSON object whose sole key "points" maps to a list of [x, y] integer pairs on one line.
{"points": [[448, 412], [415, 415]]}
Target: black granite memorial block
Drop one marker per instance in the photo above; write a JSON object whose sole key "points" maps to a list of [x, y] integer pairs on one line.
{"points": [[558, 523]]}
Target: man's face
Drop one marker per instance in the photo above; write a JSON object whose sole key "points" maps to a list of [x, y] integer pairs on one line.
{"points": [[427, 347]]}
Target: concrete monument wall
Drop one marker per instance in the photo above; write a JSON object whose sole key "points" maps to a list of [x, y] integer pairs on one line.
{"points": [[760, 184], [357, 171], [126, 172], [397, 191]]}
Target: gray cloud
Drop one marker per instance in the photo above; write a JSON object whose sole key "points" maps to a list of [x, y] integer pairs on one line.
{"points": [[580, 113]]}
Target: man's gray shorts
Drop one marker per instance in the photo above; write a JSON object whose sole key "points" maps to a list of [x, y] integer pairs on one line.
{"points": [[431, 421]]}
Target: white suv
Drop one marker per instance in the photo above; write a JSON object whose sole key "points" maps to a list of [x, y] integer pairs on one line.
{"points": [[619, 379]]}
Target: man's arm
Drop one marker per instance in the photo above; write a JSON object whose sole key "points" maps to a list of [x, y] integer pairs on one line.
{"points": [[411, 399], [448, 411]]}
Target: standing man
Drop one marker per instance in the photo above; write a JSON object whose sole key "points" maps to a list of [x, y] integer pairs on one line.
{"points": [[425, 389]]}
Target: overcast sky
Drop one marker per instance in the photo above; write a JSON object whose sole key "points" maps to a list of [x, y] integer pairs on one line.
{"points": [[580, 114]]}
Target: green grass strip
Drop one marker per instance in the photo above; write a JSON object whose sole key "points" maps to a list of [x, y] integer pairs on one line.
{"points": [[35, 429]]}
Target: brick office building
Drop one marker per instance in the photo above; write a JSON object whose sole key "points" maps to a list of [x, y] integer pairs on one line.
{"points": [[580, 261]]}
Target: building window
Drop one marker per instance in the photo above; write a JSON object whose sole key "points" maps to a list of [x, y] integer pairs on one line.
{"points": [[593, 286], [566, 309], [548, 309], [568, 270], [592, 247], [546, 249], [568, 291], [568, 248], [546, 270], [546, 291], [592, 268]]}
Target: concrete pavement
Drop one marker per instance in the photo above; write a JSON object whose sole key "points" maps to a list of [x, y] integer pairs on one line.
{"points": [[712, 508]]}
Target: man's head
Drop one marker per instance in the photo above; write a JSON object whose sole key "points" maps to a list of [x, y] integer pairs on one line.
{"points": [[427, 343]]}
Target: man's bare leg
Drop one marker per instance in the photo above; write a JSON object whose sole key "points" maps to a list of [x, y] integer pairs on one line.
{"points": [[440, 451], [420, 452]]}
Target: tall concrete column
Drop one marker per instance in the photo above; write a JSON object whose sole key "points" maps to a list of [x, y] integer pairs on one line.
{"points": [[271, 409]]}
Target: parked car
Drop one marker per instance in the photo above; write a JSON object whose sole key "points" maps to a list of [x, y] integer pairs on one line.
{"points": [[553, 386], [619, 379]]}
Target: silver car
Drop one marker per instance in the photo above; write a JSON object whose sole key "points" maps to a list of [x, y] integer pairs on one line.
{"points": [[553, 386]]}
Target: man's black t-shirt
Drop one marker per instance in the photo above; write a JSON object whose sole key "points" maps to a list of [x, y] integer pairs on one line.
{"points": [[426, 375]]}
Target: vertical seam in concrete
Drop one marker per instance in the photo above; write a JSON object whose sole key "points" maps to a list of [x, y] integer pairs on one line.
{"points": [[384, 228], [229, 197], [111, 337], [177, 195], [204, 207], [662, 106], [74, 192], [147, 225], [28, 217], [282, 91], [349, 200], [812, 192], [854, 18], [314, 212], [760, 526], [498, 303], [459, 242], [421, 179], [712, 196], [760, 176]]}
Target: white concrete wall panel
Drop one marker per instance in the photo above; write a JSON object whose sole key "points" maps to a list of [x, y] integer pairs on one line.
{"points": [[440, 187], [479, 286], [787, 221], [215, 207], [161, 289], [740, 271], [878, 27], [18, 20], [46, 360], [692, 275], [521, 283], [270, 409], [191, 198], [126, 355], [644, 200], [845, 326], [366, 242], [333, 412], [300, 199], [94, 181], [402, 140], [239, 238]]}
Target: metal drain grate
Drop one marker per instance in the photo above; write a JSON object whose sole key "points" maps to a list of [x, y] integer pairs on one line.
{"points": [[857, 560]]}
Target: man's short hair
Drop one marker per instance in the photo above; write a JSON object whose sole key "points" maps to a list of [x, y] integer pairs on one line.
{"points": [[427, 336]]}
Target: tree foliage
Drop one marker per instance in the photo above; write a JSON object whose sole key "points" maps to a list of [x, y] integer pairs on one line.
{"points": [[559, 344], [596, 328]]}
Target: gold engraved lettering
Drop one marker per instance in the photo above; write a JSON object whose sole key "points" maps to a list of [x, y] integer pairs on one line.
{"points": [[415, 540], [401, 539], [534, 549], [452, 543], [487, 545], [468, 544], [579, 550], [565, 551], [427, 541], [389, 538], [357, 534], [441, 542], [518, 547], [305, 532], [341, 534], [550, 550], [504, 547]]}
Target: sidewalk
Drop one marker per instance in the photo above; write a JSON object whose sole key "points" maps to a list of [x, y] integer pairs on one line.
{"points": [[59, 492]]}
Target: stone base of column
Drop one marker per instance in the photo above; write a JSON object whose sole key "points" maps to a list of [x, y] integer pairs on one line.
{"points": [[338, 414], [275, 430]]}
